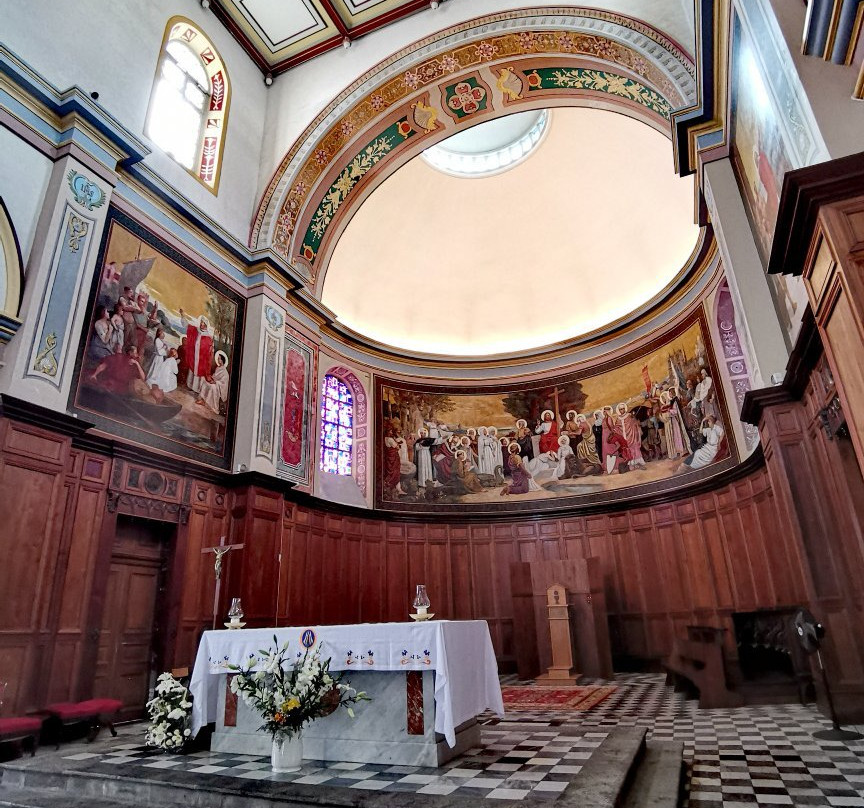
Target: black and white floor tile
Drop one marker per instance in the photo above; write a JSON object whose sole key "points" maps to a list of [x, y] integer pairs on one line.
{"points": [[750, 756]]}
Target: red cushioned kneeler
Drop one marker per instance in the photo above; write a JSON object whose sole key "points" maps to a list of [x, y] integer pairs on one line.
{"points": [[13, 729], [68, 712]]}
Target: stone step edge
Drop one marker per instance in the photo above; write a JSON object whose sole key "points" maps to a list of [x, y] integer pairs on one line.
{"points": [[603, 780], [659, 780], [600, 784], [13, 797]]}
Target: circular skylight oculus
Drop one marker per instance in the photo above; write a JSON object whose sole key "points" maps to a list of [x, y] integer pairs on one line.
{"points": [[490, 148], [589, 231]]}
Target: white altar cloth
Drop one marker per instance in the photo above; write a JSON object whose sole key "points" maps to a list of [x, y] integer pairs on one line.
{"points": [[460, 652]]}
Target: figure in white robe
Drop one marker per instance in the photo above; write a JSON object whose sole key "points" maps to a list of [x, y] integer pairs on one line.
{"points": [[713, 434], [215, 389], [564, 451], [423, 458], [163, 368], [703, 396], [488, 451], [545, 463]]}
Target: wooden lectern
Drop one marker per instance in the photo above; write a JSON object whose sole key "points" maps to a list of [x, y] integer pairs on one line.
{"points": [[582, 582], [561, 671]]}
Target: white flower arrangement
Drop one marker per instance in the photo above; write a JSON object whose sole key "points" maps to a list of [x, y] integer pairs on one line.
{"points": [[290, 695], [169, 711]]}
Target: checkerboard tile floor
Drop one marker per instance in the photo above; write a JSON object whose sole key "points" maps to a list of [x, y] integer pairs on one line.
{"points": [[749, 756]]}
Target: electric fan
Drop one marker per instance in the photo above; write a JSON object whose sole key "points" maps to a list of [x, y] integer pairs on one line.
{"points": [[810, 633]]}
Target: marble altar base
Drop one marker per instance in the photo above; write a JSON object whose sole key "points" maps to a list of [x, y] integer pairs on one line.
{"points": [[379, 732]]}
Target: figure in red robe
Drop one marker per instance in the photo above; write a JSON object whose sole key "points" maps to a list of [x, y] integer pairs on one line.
{"points": [[392, 462], [547, 429], [199, 351]]}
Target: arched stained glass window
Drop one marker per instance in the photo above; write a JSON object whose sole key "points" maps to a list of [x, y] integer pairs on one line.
{"points": [[189, 103], [337, 426]]}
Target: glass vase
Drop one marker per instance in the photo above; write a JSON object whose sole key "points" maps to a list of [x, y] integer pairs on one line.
{"points": [[287, 753]]}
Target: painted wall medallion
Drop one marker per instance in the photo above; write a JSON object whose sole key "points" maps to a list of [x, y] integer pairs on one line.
{"points": [[86, 193]]}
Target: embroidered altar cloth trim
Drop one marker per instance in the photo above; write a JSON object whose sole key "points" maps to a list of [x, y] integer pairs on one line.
{"points": [[459, 651]]}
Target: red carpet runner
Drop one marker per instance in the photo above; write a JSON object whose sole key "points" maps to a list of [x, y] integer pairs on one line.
{"points": [[548, 698]]}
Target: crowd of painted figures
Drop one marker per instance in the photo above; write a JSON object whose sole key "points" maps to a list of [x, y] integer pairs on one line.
{"points": [[670, 423], [130, 352]]}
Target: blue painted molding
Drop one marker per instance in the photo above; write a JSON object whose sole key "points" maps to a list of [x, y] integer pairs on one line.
{"points": [[73, 100], [703, 111], [8, 327]]}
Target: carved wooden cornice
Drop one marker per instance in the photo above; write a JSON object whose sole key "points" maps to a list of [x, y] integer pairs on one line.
{"points": [[802, 360], [805, 192]]}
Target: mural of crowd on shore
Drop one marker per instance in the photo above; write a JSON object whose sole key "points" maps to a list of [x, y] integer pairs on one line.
{"points": [[159, 353], [619, 428]]}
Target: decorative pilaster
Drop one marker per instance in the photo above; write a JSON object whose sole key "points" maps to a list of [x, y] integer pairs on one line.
{"points": [[258, 434], [763, 341], [41, 359]]}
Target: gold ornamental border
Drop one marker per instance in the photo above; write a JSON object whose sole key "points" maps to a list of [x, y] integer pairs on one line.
{"points": [[417, 78]]}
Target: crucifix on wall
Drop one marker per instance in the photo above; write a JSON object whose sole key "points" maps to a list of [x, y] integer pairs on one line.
{"points": [[219, 551]]}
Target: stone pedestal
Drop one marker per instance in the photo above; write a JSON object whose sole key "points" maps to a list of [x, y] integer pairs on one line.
{"points": [[396, 727]]}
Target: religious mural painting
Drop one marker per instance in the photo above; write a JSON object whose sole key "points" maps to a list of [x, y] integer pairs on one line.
{"points": [[300, 373], [762, 153], [640, 425], [160, 357]]}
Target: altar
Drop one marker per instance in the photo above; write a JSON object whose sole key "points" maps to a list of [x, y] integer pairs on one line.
{"points": [[427, 681]]}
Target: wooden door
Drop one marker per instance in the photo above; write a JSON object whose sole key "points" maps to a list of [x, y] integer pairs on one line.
{"points": [[131, 634]]}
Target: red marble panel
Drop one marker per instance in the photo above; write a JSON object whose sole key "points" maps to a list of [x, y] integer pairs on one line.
{"points": [[414, 689]]}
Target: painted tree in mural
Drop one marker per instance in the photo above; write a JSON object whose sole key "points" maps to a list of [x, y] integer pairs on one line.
{"points": [[221, 313], [528, 404], [412, 409]]}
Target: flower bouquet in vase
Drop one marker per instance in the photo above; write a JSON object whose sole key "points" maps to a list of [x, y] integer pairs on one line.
{"points": [[288, 694], [169, 711]]}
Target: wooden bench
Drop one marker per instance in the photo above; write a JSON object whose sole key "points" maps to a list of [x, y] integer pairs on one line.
{"points": [[25, 730], [94, 712], [699, 660]]}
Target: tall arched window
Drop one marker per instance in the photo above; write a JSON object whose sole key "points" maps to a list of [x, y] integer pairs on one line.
{"points": [[337, 426], [189, 103]]}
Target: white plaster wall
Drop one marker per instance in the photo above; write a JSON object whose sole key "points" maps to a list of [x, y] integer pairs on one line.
{"points": [[112, 46], [24, 176], [828, 86], [297, 96]]}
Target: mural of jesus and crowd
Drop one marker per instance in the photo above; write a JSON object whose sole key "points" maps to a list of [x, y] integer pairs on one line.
{"points": [[150, 363], [669, 427]]}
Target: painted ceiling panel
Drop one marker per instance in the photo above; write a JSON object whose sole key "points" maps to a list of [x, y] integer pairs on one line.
{"points": [[282, 24], [280, 34]]}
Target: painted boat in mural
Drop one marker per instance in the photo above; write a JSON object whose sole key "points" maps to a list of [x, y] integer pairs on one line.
{"points": [[113, 404]]}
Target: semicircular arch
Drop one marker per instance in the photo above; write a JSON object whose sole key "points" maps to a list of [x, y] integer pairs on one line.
{"points": [[486, 68]]}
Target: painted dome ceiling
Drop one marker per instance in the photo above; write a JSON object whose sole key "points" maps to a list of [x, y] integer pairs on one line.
{"points": [[585, 226]]}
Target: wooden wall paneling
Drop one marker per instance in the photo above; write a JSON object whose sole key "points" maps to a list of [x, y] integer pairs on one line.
{"points": [[397, 583], [736, 541], [462, 575], [253, 574], [494, 595], [713, 549], [372, 582], [296, 575], [74, 582], [438, 580], [32, 478], [697, 566]]}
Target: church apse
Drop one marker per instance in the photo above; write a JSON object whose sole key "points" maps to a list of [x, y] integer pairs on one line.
{"points": [[643, 424], [160, 356]]}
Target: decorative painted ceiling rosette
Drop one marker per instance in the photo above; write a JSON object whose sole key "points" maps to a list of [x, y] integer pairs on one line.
{"points": [[482, 69]]}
